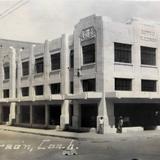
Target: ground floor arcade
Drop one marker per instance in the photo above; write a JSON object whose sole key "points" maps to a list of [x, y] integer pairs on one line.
{"points": [[81, 115]]}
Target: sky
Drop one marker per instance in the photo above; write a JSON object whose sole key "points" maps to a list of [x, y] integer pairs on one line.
{"points": [[39, 20]]}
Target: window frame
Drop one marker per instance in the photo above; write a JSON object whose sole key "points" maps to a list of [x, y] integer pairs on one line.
{"points": [[55, 66], [25, 73], [71, 57], [36, 91], [91, 58], [57, 90], [6, 76], [120, 52], [37, 68], [148, 89], [4, 94], [22, 89], [89, 83], [123, 86], [144, 57]]}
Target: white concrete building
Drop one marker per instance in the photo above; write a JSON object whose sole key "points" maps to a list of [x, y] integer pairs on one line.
{"points": [[104, 69]]}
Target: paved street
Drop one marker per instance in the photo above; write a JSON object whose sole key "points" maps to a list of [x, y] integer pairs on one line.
{"points": [[22, 146]]}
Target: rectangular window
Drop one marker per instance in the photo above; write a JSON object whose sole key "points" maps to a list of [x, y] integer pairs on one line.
{"points": [[55, 61], [6, 72], [71, 87], [148, 85], [122, 53], [123, 84], [39, 65], [25, 68], [55, 88], [25, 91], [148, 56], [88, 53], [89, 85], [39, 90], [72, 58], [6, 93]]}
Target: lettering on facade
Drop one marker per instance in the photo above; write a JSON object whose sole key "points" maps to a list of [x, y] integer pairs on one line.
{"points": [[147, 35], [87, 34]]}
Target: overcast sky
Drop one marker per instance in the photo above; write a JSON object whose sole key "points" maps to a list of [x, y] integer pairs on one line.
{"points": [[48, 19]]}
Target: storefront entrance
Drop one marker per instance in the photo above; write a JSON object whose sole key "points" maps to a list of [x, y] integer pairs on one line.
{"points": [[89, 115], [54, 114], [145, 115], [5, 113]]}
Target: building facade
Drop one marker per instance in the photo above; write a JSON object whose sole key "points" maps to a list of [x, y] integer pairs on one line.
{"points": [[104, 69]]}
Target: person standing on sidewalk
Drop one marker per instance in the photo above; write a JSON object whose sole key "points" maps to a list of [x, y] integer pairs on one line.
{"points": [[101, 125], [120, 125]]}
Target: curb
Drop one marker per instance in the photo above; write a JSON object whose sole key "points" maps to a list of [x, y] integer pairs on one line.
{"points": [[43, 134]]}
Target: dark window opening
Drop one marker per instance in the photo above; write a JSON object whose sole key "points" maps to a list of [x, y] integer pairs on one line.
{"points": [[25, 68], [6, 93], [39, 90], [39, 65], [55, 88], [70, 114], [72, 58], [122, 52], [89, 115], [25, 91], [6, 72], [5, 113], [89, 85], [54, 114], [148, 85], [123, 84], [148, 56], [25, 114], [88, 53], [39, 114], [71, 87], [55, 61]]}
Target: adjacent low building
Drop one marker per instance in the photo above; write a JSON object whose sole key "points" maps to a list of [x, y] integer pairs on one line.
{"points": [[104, 69]]}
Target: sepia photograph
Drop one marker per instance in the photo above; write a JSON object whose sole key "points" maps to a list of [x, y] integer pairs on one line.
{"points": [[79, 79]]}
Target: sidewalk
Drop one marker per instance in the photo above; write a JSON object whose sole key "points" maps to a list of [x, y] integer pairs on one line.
{"points": [[79, 136]]}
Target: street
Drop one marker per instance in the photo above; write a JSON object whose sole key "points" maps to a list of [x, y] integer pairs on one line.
{"points": [[22, 146]]}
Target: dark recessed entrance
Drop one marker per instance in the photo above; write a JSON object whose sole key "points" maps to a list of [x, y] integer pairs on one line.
{"points": [[24, 114], [145, 115], [70, 114], [54, 114], [39, 114], [89, 115], [5, 113]]}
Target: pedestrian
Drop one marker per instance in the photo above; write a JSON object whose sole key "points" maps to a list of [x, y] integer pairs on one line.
{"points": [[120, 125], [101, 125]]}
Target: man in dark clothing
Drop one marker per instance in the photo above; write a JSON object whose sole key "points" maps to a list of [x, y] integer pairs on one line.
{"points": [[120, 124]]}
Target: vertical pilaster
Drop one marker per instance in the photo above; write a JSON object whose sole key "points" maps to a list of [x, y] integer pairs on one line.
{"points": [[31, 72], [19, 74], [106, 110], [136, 60], [12, 115], [47, 69], [64, 119], [2, 76]]}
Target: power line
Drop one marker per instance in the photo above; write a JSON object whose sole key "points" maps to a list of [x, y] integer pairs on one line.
{"points": [[13, 8], [14, 5]]}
